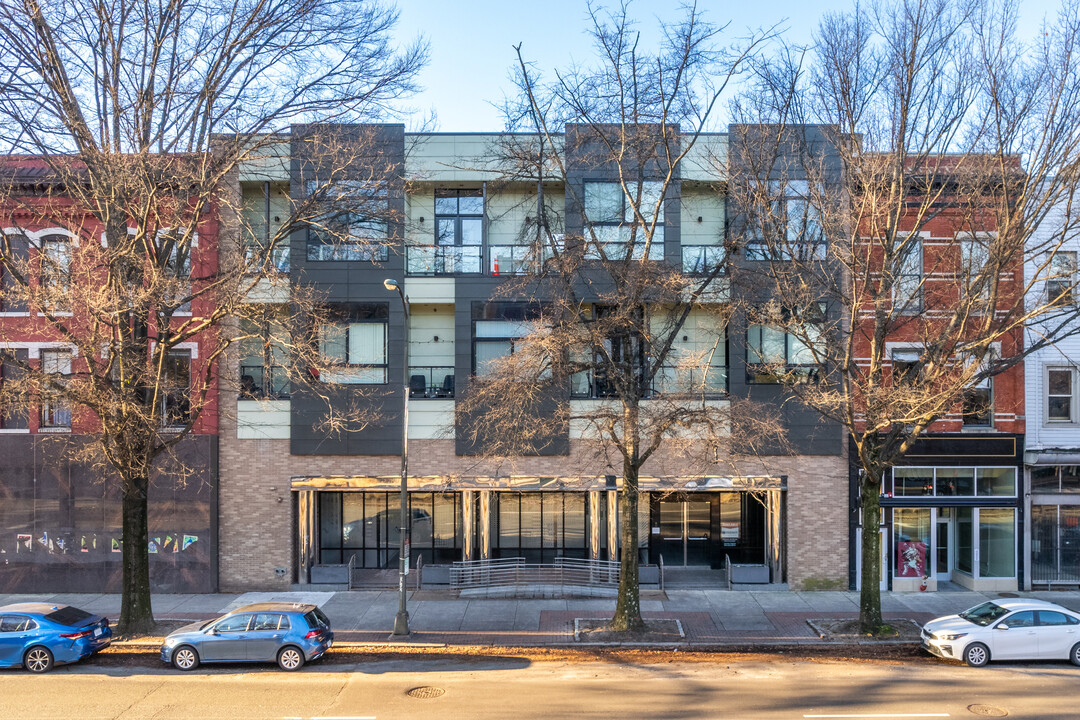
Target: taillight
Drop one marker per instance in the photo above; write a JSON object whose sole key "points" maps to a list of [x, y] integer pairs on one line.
{"points": [[76, 636], [312, 634]]}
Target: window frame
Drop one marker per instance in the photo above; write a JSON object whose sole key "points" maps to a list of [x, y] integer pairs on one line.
{"points": [[1055, 293], [174, 395], [371, 247], [610, 232], [52, 409], [54, 272], [911, 266], [791, 349], [356, 314], [783, 197], [1072, 374]]}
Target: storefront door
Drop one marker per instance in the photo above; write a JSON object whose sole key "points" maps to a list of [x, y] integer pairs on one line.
{"points": [[685, 536], [943, 548]]}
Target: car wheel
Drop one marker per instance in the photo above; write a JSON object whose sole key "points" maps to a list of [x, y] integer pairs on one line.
{"points": [[1074, 654], [38, 659], [290, 658], [976, 655], [185, 657]]}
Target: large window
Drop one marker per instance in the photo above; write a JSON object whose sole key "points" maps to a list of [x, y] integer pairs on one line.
{"points": [[611, 222], [774, 356], [55, 412], [539, 526], [353, 346], [263, 360], [12, 294], [790, 228], [56, 271], [1061, 402], [496, 329], [353, 226], [459, 231], [13, 414], [908, 278], [1062, 279], [1055, 479], [955, 481], [976, 283], [176, 389], [978, 404], [906, 366], [364, 527]]}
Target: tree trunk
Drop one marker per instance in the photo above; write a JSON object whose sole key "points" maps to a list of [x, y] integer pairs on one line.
{"points": [[628, 608], [136, 614], [870, 598]]}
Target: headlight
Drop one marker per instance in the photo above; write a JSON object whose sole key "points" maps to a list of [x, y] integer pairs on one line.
{"points": [[953, 636], [170, 641]]}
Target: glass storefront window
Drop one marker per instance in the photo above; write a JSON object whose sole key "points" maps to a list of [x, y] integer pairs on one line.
{"points": [[955, 481], [997, 542], [1000, 482], [1070, 478], [909, 481], [965, 538], [1044, 479], [911, 532]]}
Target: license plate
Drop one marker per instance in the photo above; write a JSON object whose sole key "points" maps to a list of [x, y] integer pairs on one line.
{"points": [[99, 632]]}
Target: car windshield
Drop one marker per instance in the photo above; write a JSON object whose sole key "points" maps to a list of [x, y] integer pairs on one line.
{"points": [[67, 615], [984, 614]]}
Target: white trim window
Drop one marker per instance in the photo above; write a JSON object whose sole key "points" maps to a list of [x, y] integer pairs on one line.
{"points": [[1061, 401], [907, 284], [55, 412], [1061, 283]]}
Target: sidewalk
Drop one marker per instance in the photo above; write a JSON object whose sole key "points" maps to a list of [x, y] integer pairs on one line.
{"points": [[708, 617]]}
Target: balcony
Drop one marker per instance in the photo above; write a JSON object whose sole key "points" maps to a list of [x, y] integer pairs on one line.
{"points": [[431, 381], [670, 380], [702, 259], [444, 260], [258, 382]]}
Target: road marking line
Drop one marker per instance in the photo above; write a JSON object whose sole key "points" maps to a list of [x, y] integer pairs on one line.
{"points": [[883, 715]]}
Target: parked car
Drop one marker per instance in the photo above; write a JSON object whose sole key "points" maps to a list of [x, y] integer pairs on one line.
{"points": [[288, 633], [1006, 630], [40, 635]]}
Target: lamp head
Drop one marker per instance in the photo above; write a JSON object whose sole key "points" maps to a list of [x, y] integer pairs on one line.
{"points": [[390, 284]]}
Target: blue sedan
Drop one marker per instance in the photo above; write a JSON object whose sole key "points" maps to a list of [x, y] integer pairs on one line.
{"points": [[287, 633], [39, 635]]}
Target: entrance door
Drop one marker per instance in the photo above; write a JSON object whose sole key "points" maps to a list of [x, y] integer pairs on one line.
{"points": [[943, 548], [685, 537]]}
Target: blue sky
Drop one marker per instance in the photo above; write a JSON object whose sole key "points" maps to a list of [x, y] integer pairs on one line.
{"points": [[472, 42]]}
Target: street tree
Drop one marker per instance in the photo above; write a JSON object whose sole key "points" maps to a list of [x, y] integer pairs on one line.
{"points": [[609, 300], [126, 122], [907, 121]]}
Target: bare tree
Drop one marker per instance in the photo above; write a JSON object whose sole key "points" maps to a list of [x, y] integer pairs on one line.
{"points": [[909, 120], [138, 116], [609, 300]]}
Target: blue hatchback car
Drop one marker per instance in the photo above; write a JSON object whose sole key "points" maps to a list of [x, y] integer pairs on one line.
{"points": [[40, 635], [288, 633]]}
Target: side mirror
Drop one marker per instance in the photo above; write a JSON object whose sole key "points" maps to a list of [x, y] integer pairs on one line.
{"points": [[1001, 626]]}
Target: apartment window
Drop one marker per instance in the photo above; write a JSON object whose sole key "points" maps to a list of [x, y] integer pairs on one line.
{"points": [[789, 228], [16, 250], [459, 231], [176, 389], [353, 347], [1061, 395], [906, 366], [56, 271], [55, 366], [263, 360], [177, 272], [354, 224], [978, 404], [974, 259], [908, 278], [774, 355], [613, 223], [13, 414], [1062, 280]]}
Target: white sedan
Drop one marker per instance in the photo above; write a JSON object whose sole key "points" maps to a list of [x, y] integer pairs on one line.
{"points": [[1006, 630]]}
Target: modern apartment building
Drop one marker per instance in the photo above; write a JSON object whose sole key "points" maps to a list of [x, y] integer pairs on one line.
{"points": [[294, 495]]}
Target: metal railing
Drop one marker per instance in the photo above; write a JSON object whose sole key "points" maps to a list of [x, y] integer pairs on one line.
{"points": [[444, 259], [516, 573], [431, 381], [702, 259], [668, 380]]}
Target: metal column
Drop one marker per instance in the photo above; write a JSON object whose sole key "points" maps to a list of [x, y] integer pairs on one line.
{"points": [[613, 524], [305, 540], [485, 524], [468, 524], [594, 524]]}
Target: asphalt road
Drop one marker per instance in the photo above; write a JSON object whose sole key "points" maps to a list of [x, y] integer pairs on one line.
{"points": [[521, 689]]}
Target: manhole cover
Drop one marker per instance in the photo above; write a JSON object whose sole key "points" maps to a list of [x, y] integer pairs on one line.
{"points": [[987, 711], [425, 693]]}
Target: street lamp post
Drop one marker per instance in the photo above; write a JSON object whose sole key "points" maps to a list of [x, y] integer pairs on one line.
{"points": [[401, 620]]}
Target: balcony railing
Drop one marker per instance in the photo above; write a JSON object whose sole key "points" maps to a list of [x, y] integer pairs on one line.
{"points": [[702, 259], [444, 260], [258, 382], [671, 380], [431, 381], [279, 257]]}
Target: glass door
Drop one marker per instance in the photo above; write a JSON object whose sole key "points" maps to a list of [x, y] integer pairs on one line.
{"points": [[943, 548], [685, 532]]}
